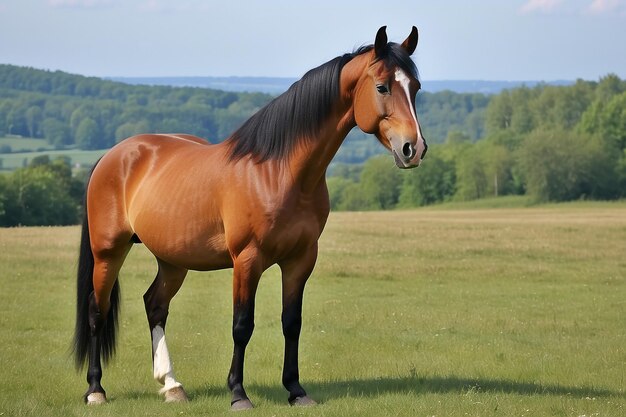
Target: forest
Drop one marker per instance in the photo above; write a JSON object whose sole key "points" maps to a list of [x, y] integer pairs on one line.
{"points": [[550, 143], [72, 111]]}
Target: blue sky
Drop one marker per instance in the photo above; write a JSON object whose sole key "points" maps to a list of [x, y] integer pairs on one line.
{"points": [[488, 39]]}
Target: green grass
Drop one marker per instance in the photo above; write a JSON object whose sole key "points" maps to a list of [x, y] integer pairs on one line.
{"points": [[509, 201], [25, 149], [13, 161], [481, 312], [520, 201], [21, 144]]}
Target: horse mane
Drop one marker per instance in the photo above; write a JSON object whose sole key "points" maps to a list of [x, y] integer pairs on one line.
{"points": [[273, 131]]}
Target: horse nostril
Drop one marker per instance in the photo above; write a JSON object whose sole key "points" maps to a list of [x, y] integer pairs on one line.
{"points": [[408, 150], [425, 149]]}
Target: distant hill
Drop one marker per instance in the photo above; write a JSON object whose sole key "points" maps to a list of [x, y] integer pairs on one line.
{"points": [[270, 85], [73, 111], [277, 85], [481, 86]]}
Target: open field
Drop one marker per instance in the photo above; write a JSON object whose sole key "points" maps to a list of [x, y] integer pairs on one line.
{"points": [[483, 312], [25, 149], [11, 161], [21, 144]]}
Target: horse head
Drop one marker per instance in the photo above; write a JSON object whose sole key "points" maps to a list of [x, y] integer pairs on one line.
{"points": [[384, 99]]}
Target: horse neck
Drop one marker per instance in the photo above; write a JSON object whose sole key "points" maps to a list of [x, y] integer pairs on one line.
{"points": [[311, 157]]}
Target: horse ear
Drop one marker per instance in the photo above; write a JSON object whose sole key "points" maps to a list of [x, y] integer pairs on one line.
{"points": [[381, 41], [410, 43]]}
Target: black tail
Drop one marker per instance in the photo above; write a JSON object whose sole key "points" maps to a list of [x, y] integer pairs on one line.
{"points": [[84, 289]]}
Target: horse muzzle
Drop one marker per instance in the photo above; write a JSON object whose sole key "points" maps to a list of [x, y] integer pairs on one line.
{"points": [[409, 155]]}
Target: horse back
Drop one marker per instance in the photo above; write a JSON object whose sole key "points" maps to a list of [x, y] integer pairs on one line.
{"points": [[192, 206]]}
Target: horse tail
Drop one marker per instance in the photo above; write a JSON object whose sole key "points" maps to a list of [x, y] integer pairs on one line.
{"points": [[84, 290]]}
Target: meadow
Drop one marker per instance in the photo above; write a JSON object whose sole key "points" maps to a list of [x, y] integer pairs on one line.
{"points": [[23, 144], [24, 150], [430, 312]]}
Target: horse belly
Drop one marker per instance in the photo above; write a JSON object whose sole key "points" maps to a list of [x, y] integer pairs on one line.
{"points": [[186, 247], [184, 232]]}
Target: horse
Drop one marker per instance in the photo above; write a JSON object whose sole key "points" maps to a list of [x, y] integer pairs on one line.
{"points": [[256, 199]]}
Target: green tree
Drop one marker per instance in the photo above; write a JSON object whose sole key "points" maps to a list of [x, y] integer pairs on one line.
{"points": [[34, 196], [499, 112], [4, 196], [559, 166], [56, 132], [129, 129], [455, 137], [352, 198], [336, 189], [591, 120], [432, 182], [609, 86], [5, 108], [88, 134], [606, 119], [620, 170], [348, 171], [471, 177], [613, 121], [380, 183], [498, 163], [34, 116]]}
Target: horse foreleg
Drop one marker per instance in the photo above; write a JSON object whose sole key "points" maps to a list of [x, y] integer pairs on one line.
{"points": [[246, 274], [157, 300], [295, 273]]}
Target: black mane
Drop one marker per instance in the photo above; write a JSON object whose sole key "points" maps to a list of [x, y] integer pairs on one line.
{"points": [[272, 131]]}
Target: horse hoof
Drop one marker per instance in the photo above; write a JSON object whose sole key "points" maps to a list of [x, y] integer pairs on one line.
{"points": [[176, 395], [239, 405], [305, 401], [96, 398]]}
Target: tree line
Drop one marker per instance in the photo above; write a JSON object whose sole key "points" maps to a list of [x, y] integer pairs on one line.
{"points": [[72, 111], [46, 192], [91, 113], [551, 143]]}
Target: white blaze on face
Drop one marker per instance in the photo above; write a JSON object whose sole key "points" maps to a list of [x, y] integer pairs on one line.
{"points": [[404, 81], [163, 371]]}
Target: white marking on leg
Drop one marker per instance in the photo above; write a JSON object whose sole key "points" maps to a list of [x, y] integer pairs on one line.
{"points": [[163, 371]]}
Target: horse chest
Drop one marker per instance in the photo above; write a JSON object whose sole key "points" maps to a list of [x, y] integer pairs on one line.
{"points": [[289, 231]]}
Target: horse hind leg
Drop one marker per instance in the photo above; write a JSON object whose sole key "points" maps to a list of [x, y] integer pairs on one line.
{"points": [[157, 300], [103, 304]]}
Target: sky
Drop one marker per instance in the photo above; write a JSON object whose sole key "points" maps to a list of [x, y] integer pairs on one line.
{"points": [[542, 40]]}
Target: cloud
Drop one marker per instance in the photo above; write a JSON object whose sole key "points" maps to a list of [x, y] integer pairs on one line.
{"points": [[574, 7], [540, 6], [604, 6]]}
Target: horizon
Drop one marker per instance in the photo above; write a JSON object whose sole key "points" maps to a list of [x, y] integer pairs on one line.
{"points": [[116, 77], [278, 85]]}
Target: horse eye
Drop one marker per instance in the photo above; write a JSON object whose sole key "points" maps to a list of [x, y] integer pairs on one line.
{"points": [[382, 89]]}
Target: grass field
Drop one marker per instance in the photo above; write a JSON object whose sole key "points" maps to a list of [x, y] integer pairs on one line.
{"points": [[25, 149], [21, 144], [11, 161], [482, 312]]}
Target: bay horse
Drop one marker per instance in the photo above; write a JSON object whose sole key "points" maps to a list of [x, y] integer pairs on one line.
{"points": [[256, 199]]}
